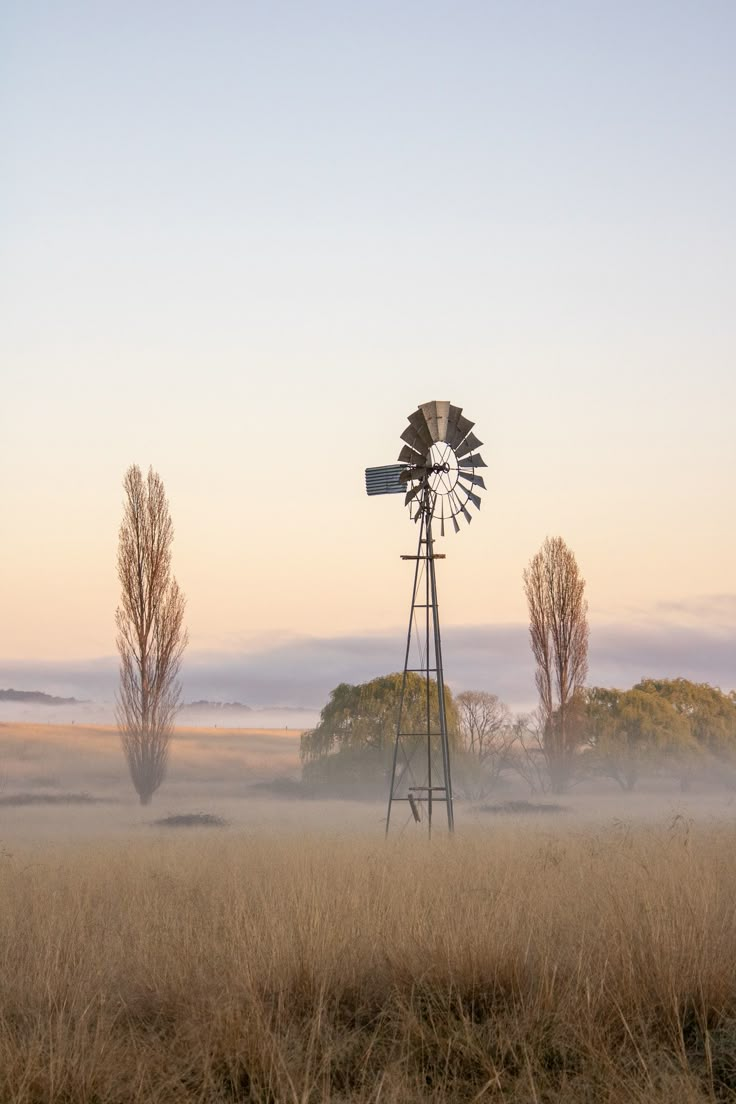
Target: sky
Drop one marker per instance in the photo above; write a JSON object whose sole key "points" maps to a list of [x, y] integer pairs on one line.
{"points": [[241, 242]]}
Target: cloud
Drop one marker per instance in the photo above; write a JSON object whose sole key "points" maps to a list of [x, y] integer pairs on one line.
{"points": [[301, 671], [620, 656], [715, 610]]}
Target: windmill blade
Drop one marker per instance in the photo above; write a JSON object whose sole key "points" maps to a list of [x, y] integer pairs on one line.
{"points": [[464, 426], [476, 480], [443, 417], [429, 412], [412, 494], [436, 415], [419, 425], [454, 499], [414, 441], [462, 505], [455, 524], [475, 499], [408, 455], [453, 437], [470, 444], [442, 517], [472, 462]]}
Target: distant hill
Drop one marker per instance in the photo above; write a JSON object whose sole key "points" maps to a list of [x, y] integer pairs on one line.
{"points": [[37, 707], [287, 709], [205, 706], [36, 697], [215, 707]]}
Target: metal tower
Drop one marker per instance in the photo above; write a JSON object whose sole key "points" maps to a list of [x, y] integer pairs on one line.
{"points": [[437, 475]]}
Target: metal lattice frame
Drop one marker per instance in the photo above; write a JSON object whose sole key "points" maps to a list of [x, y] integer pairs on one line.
{"points": [[422, 784], [437, 473]]}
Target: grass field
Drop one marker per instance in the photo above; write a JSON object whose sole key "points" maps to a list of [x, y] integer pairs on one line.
{"points": [[294, 956], [574, 965]]}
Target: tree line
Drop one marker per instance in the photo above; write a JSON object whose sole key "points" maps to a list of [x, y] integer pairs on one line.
{"points": [[671, 725], [674, 727]]}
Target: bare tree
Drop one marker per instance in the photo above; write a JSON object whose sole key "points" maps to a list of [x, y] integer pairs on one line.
{"points": [[486, 731], [151, 637], [558, 627], [483, 717], [528, 757]]}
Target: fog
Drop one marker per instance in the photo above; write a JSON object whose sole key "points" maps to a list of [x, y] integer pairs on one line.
{"points": [[209, 715], [70, 782]]}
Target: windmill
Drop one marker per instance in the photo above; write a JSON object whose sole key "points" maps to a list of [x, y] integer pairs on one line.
{"points": [[438, 475]]}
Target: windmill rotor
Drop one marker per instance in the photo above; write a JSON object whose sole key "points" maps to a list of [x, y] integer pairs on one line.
{"points": [[437, 469], [440, 458]]}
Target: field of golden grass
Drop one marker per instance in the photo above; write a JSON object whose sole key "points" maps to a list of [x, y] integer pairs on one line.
{"points": [[508, 964], [80, 756]]}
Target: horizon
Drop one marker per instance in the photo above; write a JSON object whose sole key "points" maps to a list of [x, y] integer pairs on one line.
{"points": [[300, 672]]}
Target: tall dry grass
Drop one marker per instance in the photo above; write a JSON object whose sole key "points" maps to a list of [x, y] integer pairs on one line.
{"points": [[516, 965]]}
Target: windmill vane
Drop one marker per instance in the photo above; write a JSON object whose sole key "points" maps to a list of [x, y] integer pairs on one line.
{"points": [[438, 475]]}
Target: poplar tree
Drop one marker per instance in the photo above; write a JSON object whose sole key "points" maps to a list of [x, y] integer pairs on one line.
{"points": [[151, 637], [558, 629]]}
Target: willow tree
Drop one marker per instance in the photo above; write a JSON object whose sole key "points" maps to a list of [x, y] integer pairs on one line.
{"points": [[558, 628], [710, 715], [627, 730], [353, 741], [151, 637]]}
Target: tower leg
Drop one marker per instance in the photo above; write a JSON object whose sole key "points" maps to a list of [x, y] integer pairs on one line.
{"points": [[441, 693], [397, 741]]}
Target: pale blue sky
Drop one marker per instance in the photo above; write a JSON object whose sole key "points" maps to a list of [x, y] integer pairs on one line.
{"points": [[243, 241]]}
